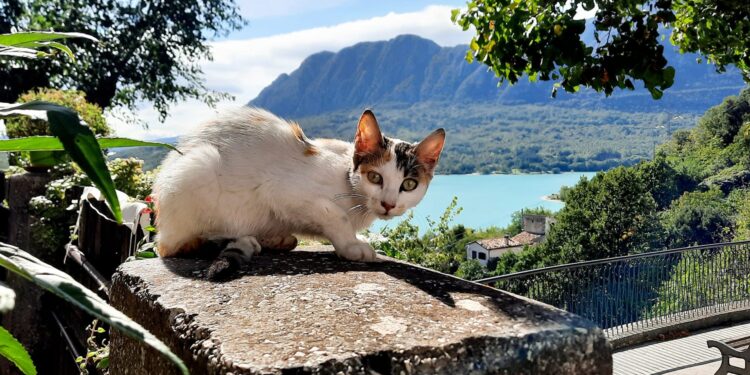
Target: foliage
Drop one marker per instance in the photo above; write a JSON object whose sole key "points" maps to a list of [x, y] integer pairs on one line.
{"points": [[716, 28], [718, 142], [67, 288], [698, 218], [91, 114], [438, 249], [151, 51], [130, 178], [56, 211], [33, 44], [79, 142], [77, 139], [740, 200], [471, 270], [13, 351], [697, 273], [547, 41], [98, 350], [610, 215]]}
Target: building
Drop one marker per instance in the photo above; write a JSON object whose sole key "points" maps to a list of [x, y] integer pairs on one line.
{"points": [[535, 228]]}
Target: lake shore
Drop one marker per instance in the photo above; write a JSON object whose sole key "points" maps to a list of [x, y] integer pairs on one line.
{"points": [[551, 198]]}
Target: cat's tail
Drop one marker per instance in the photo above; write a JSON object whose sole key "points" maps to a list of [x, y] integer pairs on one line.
{"points": [[235, 255]]}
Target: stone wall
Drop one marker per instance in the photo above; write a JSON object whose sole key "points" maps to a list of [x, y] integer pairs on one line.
{"points": [[309, 312]]}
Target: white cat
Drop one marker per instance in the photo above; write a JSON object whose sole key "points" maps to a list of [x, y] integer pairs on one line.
{"points": [[255, 179]]}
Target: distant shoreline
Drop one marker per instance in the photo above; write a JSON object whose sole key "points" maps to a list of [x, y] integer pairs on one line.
{"points": [[512, 174], [551, 198]]}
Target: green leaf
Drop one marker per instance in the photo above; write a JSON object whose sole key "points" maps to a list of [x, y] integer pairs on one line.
{"points": [[62, 285], [13, 351], [103, 363], [77, 139], [454, 14], [49, 143], [25, 44], [23, 39]]}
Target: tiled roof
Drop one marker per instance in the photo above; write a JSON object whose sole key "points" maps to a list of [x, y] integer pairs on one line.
{"points": [[523, 238], [526, 238], [498, 243]]}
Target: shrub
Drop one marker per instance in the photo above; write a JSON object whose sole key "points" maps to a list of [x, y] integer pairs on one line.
{"points": [[18, 127]]}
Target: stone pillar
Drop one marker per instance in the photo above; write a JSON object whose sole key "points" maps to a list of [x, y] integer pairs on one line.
{"points": [[310, 312], [29, 321], [21, 188]]}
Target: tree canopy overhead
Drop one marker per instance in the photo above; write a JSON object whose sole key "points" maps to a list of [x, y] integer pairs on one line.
{"points": [[149, 50], [544, 39]]}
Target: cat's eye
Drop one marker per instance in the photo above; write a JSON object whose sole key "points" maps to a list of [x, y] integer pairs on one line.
{"points": [[374, 177], [409, 184]]}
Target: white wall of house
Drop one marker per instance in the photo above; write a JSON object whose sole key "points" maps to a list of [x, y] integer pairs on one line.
{"points": [[476, 251], [482, 255], [496, 253]]}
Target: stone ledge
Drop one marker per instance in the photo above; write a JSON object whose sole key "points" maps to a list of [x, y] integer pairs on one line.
{"points": [[309, 312]]}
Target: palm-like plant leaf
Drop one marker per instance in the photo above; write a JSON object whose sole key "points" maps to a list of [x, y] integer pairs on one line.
{"points": [[28, 44], [62, 285]]}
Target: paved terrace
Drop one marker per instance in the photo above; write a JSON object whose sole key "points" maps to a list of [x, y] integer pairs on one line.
{"points": [[684, 356]]}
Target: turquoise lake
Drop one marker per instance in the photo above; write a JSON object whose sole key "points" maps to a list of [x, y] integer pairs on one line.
{"points": [[487, 200]]}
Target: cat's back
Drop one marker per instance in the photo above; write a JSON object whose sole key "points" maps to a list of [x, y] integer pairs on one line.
{"points": [[239, 126]]}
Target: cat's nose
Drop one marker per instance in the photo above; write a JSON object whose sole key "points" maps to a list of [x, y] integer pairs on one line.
{"points": [[387, 206]]}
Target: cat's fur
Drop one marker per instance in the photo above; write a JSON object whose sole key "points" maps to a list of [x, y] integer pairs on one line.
{"points": [[256, 180]]}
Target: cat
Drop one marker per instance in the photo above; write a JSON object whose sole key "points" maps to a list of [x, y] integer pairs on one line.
{"points": [[255, 181]]}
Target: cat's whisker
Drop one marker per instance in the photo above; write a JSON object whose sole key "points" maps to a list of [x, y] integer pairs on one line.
{"points": [[357, 207], [348, 195]]}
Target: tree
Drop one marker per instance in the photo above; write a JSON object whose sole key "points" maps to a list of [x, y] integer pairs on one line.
{"points": [[544, 39], [471, 270], [698, 218], [610, 215], [149, 50]]}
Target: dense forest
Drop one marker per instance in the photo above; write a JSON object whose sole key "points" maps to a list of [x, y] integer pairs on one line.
{"points": [[493, 138]]}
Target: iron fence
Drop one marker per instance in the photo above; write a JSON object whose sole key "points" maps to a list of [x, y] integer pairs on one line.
{"points": [[635, 292]]}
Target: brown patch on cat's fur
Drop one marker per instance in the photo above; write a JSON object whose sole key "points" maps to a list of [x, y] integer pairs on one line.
{"points": [[310, 149], [297, 131]]}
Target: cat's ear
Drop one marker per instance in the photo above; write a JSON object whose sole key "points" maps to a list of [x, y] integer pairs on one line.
{"points": [[368, 140], [428, 151]]}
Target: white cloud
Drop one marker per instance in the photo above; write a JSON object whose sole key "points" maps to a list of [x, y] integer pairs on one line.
{"points": [[244, 67]]}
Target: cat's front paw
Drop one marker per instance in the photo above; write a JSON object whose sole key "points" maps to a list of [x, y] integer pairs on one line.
{"points": [[357, 251]]}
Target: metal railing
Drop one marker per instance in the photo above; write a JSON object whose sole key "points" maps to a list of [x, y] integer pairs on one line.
{"points": [[634, 292]]}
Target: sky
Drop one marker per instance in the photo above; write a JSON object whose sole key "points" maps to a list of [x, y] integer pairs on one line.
{"points": [[280, 35]]}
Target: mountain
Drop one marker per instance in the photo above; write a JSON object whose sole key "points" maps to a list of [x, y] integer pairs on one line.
{"points": [[409, 69]]}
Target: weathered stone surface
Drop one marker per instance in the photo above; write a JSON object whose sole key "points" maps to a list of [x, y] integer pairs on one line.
{"points": [[309, 312]]}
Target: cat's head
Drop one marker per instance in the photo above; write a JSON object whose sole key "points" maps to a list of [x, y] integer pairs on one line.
{"points": [[393, 174]]}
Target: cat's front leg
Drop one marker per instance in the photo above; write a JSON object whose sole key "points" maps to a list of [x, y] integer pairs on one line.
{"points": [[335, 225]]}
